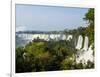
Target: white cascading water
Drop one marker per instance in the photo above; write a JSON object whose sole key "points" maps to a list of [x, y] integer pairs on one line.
{"points": [[46, 37], [86, 53], [69, 37], [79, 43], [86, 42], [24, 55], [86, 56]]}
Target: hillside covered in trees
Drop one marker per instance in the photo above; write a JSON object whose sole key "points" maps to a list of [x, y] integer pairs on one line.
{"points": [[40, 55]]}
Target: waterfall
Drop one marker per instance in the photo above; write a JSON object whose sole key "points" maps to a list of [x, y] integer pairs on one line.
{"points": [[86, 43], [86, 56], [86, 53], [24, 55], [69, 37], [79, 43]]}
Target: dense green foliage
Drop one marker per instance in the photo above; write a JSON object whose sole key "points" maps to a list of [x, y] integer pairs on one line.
{"points": [[89, 17], [43, 56], [52, 55]]}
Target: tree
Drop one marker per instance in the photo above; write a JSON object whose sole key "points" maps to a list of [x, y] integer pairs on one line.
{"points": [[89, 16]]}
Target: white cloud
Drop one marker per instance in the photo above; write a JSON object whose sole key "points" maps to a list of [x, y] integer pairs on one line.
{"points": [[20, 28]]}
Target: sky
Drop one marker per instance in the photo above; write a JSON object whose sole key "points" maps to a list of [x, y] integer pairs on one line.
{"points": [[48, 18]]}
